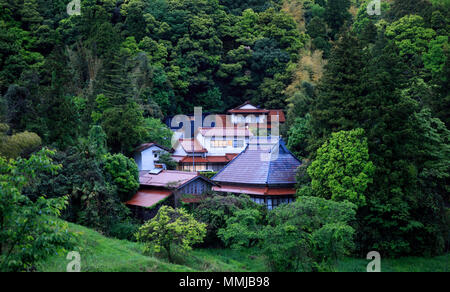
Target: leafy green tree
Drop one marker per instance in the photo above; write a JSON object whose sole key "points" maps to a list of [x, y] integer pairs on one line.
{"points": [[342, 169], [374, 102], [97, 141], [158, 132], [30, 230], [216, 210], [297, 136], [167, 160], [435, 59], [124, 127], [93, 196], [242, 229], [171, 228], [317, 28], [308, 235], [124, 173], [411, 35]]}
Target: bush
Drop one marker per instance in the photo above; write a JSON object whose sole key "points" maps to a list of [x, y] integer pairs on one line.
{"points": [[166, 158], [242, 229], [308, 235], [29, 229], [171, 228], [124, 173], [124, 230], [216, 210]]}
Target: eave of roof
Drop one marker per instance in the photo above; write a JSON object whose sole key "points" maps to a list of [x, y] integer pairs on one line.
{"points": [[254, 190], [148, 198], [209, 159], [146, 146], [170, 179]]}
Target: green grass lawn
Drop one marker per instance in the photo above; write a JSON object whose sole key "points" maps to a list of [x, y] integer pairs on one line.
{"points": [[406, 264], [101, 254]]}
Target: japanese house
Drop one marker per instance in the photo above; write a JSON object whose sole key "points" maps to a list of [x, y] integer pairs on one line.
{"points": [[165, 187], [147, 155], [265, 171]]}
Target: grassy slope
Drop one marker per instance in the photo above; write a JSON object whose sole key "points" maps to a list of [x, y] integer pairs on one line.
{"points": [[407, 264], [102, 254]]}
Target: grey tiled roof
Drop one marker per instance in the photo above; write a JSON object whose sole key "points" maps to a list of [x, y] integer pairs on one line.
{"points": [[268, 164]]}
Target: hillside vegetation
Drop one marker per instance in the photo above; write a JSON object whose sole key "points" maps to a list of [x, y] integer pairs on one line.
{"points": [[103, 254]]}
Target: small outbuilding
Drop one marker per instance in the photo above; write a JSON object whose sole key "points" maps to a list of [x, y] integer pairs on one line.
{"points": [[147, 155], [167, 187]]}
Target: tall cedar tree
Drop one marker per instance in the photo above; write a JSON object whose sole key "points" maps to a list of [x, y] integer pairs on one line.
{"points": [[340, 92], [365, 91]]}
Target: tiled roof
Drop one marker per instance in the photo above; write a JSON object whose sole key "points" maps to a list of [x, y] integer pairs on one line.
{"points": [[148, 198], [209, 159], [248, 111], [192, 144], [148, 145], [279, 113], [265, 163], [225, 132], [166, 178]]}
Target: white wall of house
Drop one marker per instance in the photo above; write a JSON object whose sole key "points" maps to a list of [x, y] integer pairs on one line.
{"points": [[146, 159], [227, 145], [179, 151], [248, 119], [248, 106]]}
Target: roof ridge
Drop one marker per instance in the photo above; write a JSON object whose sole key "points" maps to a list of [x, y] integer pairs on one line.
{"points": [[270, 161]]}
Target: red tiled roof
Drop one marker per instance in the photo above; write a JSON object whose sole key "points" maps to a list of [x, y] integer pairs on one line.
{"points": [[209, 159], [192, 144], [279, 113], [166, 178], [225, 132], [262, 191], [148, 198], [221, 121]]}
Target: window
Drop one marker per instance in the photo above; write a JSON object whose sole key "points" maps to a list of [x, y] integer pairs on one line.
{"points": [[221, 143], [270, 204], [238, 143]]}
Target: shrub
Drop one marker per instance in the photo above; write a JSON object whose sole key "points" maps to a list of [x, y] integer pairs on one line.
{"points": [[124, 230], [124, 173], [242, 229], [308, 235], [216, 210], [171, 228]]}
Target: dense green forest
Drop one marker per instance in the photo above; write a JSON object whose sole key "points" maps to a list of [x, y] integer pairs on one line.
{"points": [[366, 97]]}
